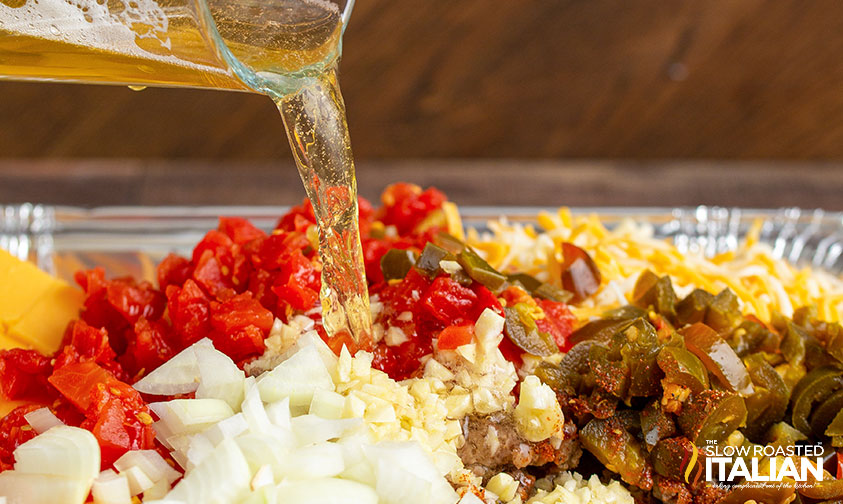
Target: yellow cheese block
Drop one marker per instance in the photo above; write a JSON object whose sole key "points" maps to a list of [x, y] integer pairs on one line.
{"points": [[21, 285], [42, 327], [34, 306]]}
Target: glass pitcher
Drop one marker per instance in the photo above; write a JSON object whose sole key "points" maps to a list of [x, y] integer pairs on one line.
{"points": [[267, 46]]}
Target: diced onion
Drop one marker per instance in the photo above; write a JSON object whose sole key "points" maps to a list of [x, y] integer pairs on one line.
{"points": [[327, 491], [221, 478], [150, 462], [42, 419], [179, 375], [111, 488], [64, 451]]}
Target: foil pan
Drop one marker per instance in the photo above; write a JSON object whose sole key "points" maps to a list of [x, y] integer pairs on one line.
{"points": [[131, 240]]}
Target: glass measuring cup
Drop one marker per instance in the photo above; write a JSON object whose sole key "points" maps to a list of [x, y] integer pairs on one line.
{"points": [[267, 46]]}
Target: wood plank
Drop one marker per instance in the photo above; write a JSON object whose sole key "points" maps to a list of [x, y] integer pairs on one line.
{"points": [[501, 182], [534, 79]]}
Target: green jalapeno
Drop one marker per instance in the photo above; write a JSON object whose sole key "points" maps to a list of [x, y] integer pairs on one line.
{"points": [[655, 424], [683, 368], [815, 387], [521, 329], [428, 262], [600, 330], [825, 413], [768, 402], [835, 428], [723, 313], [712, 415], [793, 343], [783, 434], [829, 489], [618, 450], [693, 307], [718, 357], [610, 371], [528, 282], [751, 337], [449, 242], [539, 289], [669, 454], [396, 263], [657, 293], [479, 270], [639, 347]]}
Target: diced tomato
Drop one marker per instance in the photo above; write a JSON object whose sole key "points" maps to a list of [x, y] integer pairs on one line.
{"points": [[209, 274], [299, 218], [240, 230], [173, 270], [406, 205], [455, 336], [839, 464], [135, 300], [119, 419], [76, 381], [23, 375], [217, 242], [150, 345], [405, 295], [85, 343], [485, 299], [402, 361], [298, 283], [240, 326], [449, 302], [558, 322], [189, 312], [14, 431]]}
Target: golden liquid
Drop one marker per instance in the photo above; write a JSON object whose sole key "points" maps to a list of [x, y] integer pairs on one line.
{"points": [[293, 37], [318, 134]]}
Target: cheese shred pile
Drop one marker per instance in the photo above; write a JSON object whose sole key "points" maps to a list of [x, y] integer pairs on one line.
{"points": [[763, 282]]}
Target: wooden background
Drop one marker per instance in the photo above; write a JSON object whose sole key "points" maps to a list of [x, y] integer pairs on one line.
{"points": [[644, 79]]}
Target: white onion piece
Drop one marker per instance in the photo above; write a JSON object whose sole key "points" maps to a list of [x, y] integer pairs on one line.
{"points": [[65, 451], [327, 491], [157, 491], [220, 378], [312, 339], [20, 488], [150, 462], [231, 427], [311, 429], [199, 448], [42, 420], [279, 414], [189, 416], [111, 488], [318, 461], [297, 378], [397, 485], [262, 477], [254, 411], [179, 375], [263, 450], [357, 466], [139, 482], [327, 404], [395, 461], [221, 478]]}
